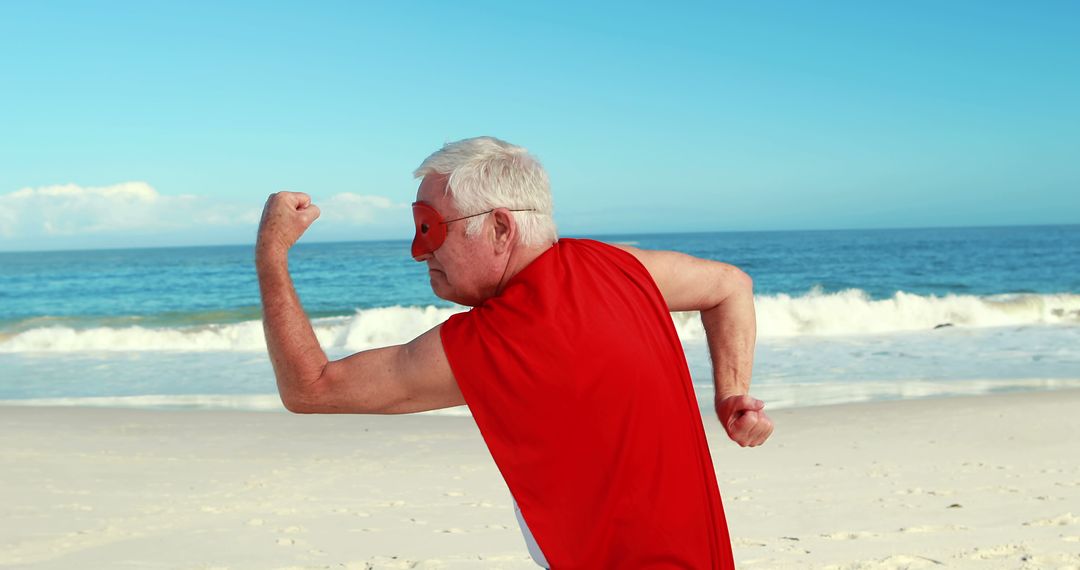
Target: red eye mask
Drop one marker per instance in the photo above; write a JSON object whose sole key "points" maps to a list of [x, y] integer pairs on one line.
{"points": [[431, 227], [430, 230]]}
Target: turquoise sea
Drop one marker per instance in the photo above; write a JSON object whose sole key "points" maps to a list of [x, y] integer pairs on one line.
{"points": [[842, 315]]}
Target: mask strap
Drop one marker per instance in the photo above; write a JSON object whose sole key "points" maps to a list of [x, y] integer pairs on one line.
{"points": [[498, 289], [487, 212]]}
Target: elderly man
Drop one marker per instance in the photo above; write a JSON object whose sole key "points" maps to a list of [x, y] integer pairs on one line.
{"points": [[568, 361]]}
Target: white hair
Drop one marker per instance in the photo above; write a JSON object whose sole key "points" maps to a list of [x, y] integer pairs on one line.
{"points": [[487, 173]]}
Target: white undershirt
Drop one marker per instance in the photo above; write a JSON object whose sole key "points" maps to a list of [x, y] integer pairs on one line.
{"points": [[530, 542]]}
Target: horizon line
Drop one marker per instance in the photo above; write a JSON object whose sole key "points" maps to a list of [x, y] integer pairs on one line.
{"points": [[582, 235]]}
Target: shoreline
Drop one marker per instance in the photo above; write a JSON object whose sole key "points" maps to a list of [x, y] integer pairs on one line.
{"points": [[962, 481], [776, 397]]}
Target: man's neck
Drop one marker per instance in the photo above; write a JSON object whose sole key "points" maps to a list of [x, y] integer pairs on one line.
{"points": [[520, 258]]}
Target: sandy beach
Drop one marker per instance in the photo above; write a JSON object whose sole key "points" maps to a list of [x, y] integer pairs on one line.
{"points": [[968, 482]]}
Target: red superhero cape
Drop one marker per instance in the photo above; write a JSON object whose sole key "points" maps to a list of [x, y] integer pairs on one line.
{"points": [[579, 385]]}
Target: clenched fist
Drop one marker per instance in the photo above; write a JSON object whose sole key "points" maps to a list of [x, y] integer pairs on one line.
{"points": [[286, 216], [744, 419]]}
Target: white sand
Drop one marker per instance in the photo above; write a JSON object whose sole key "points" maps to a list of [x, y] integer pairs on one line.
{"points": [[979, 482]]}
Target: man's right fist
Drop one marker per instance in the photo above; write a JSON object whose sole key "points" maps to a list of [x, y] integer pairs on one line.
{"points": [[286, 216], [744, 419]]}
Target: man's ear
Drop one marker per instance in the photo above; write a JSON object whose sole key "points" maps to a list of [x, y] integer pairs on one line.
{"points": [[504, 229]]}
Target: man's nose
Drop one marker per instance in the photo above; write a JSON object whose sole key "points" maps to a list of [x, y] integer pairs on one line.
{"points": [[423, 257]]}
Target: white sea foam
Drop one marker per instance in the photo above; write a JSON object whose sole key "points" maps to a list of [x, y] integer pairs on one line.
{"points": [[853, 312], [850, 312], [239, 336], [801, 394], [246, 402], [240, 402], [368, 328]]}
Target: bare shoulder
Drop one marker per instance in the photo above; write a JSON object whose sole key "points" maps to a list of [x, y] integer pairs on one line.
{"points": [[688, 282], [649, 257]]}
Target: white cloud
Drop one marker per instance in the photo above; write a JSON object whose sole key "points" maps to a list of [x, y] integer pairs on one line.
{"points": [[355, 208], [136, 208], [70, 209]]}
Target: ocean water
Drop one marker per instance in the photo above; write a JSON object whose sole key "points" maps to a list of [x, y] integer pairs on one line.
{"points": [[842, 315]]}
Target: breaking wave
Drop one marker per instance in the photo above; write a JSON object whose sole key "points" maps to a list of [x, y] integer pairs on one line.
{"points": [[853, 312], [850, 312], [368, 328]]}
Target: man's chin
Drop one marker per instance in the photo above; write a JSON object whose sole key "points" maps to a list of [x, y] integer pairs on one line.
{"points": [[440, 288], [443, 292]]}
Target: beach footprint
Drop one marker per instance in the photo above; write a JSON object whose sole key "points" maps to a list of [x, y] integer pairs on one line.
{"points": [[454, 530], [1062, 520], [894, 562], [931, 528], [396, 562], [844, 535], [1015, 551]]}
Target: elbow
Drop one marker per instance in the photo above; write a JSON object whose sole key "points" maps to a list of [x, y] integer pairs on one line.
{"points": [[306, 400], [298, 405], [738, 281], [746, 283]]}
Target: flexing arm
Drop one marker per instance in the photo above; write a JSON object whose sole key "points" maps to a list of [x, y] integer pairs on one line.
{"points": [[397, 379], [725, 297]]}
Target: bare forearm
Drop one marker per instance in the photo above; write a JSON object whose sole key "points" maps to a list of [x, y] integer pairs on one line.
{"points": [[295, 353], [731, 331]]}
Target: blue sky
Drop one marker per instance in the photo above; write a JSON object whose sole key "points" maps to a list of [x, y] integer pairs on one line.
{"points": [[151, 123]]}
